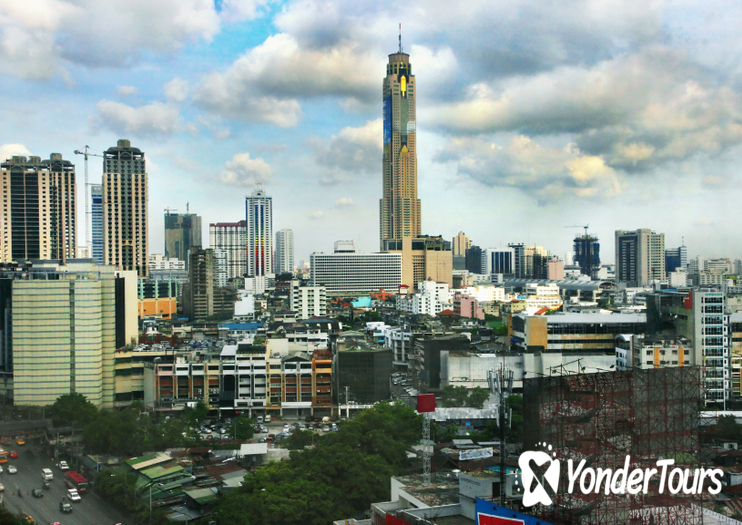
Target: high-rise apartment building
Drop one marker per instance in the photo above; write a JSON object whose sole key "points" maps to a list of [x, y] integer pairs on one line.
{"points": [[231, 237], [284, 251], [182, 232], [399, 206], [96, 219], [259, 208], [307, 301], [125, 224], [518, 260], [461, 243], [640, 256], [37, 212]]}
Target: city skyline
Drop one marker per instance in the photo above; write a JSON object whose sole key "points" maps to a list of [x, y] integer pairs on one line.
{"points": [[529, 120]]}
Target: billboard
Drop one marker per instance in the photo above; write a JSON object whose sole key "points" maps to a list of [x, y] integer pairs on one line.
{"points": [[426, 403], [479, 453], [487, 513]]}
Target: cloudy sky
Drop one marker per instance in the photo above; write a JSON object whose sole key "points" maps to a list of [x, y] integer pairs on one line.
{"points": [[533, 116]]}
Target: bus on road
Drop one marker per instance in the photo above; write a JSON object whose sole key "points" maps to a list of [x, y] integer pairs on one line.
{"points": [[74, 480], [3, 456]]}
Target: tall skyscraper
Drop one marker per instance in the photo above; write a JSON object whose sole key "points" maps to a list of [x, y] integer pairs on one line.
{"points": [[259, 208], [519, 260], [96, 219], [125, 235], [284, 251], [182, 232], [399, 206], [461, 243], [231, 238], [37, 213], [640, 256]]}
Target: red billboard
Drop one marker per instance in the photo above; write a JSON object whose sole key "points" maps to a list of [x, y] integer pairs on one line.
{"points": [[426, 403]]}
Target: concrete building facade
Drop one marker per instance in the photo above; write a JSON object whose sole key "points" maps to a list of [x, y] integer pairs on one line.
{"points": [[284, 251], [356, 273], [307, 301]]}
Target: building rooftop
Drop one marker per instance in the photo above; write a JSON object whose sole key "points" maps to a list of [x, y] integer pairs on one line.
{"points": [[148, 460], [441, 491]]}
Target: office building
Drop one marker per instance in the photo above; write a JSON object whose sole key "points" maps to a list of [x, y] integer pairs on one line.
{"points": [[60, 326], [461, 243], [96, 219], [518, 260], [284, 251], [587, 253], [182, 232], [220, 268], [676, 258], [259, 208], [399, 207], [361, 371], [349, 272], [425, 257], [640, 256], [37, 213], [158, 298], [231, 237], [499, 260], [307, 301], [474, 260], [125, 223]]}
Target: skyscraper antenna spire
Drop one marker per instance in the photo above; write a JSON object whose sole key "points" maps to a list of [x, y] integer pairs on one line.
{"points": [[400, 37]]}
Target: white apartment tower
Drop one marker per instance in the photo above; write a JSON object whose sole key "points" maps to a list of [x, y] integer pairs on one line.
{"points": [[259, 209], [284, 251], [230, 237], [125, 224]]}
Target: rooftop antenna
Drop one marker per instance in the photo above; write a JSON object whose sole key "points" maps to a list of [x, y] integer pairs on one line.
{"points": [[400, 37], [188, 207]]}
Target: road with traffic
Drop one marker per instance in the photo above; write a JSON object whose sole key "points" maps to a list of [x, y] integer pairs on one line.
{"points": [[89, 511]]}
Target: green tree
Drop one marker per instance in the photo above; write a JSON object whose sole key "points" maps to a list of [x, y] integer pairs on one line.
{"points": [[299, 439], [74, 410], [455, 396], [241, 428], [478, 397]]}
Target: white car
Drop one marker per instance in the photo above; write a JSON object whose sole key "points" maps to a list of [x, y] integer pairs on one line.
{"points": [[73, 495], [12, 469], [63, 465], [1, 470]]}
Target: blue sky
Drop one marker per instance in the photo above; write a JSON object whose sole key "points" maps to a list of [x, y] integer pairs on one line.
{"points": [[532, 116]]}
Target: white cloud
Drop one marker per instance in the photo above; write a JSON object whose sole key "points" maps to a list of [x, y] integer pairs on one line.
{"points": [[176, 90], [352, 151], [152, 119], [10, 150], [316, 215], [549, 174], [36, 35], [245, 171], [239, 10], [344, 202], [125, 91]]}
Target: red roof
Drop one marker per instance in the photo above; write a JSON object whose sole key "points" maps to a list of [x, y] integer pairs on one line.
{"points": [[447, 312]]}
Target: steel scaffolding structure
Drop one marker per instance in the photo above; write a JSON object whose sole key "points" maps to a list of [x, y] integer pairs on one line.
{"points": [[605, 417]]}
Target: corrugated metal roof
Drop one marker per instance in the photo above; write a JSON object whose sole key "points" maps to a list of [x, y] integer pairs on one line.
{"points": [[148, 460], [161, 471]]}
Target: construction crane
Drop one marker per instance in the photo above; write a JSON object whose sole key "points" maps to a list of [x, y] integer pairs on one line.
{"points": [[168, 210], [579, 226], [86, 153]]}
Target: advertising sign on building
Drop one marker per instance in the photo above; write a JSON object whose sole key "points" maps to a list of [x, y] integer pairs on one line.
{"points": [[488, 513]]}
